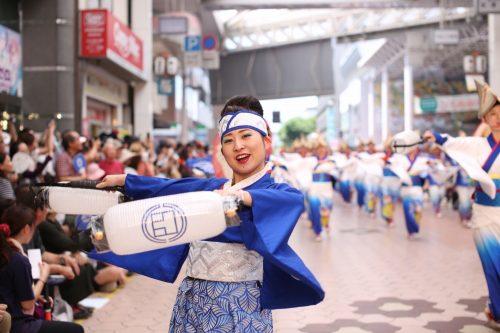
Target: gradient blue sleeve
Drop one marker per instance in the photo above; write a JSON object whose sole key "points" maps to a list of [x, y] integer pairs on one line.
{"points": [[287, 281], [163, 264], [142, 187]]}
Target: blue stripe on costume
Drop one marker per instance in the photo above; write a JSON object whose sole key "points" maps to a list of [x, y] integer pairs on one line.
{"points": [[488, 247], [322, 177], [495, 151], [345, 190], [412, 208], [360, 191], [265, 228], [315, 213]]}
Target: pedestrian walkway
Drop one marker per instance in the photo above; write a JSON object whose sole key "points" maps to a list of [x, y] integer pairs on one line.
{"points": [[376, 280]]}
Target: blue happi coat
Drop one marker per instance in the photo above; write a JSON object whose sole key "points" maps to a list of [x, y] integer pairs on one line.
{"points": [[265, 228]]}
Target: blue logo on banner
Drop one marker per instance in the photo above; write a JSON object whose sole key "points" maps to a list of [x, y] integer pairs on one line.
{"points": [[192, 43], [164, 223]]}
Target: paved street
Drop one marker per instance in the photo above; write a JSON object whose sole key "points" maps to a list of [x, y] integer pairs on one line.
{"points": [[375, 279]]}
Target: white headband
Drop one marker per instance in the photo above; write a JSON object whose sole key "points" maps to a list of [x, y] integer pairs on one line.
{"points": [[242, 119]]}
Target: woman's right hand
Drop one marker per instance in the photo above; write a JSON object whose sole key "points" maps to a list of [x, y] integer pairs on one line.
{"points": [[3, 310], [112, 180], [429, 136], [44, 271]]}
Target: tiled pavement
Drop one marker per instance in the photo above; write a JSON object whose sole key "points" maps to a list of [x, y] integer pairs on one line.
{"points": [[376, 280]]}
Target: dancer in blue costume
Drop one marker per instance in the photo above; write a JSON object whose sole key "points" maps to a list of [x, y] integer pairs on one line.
{"points": [[320, 195], [436, 179], [372, 163], [412, 192], [480, 157], [465, 188], [235, 279], [346, 178], [359, 180], [389, 189]]}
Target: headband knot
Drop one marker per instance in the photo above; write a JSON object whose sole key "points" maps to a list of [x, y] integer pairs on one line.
{"points": [[242, 119]]}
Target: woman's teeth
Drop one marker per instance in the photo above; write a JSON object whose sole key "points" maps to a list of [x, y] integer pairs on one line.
{"points": [[242, 158]]}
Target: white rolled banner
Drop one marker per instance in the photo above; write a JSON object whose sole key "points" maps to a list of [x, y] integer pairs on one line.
{"points": [[80, 201], [151, 224]]}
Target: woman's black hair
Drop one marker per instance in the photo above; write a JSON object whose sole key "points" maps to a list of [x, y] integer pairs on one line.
{"points": [[134, 161], [5, 248], [242, 102]]}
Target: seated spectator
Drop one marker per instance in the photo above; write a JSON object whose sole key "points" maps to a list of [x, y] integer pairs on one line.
{"points": [[86, 277], [141, 163], [65, 167], [6, 175], [16, 283], [167, 162], [110, 164]]}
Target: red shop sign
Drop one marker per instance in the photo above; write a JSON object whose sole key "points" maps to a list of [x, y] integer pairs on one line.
{"points": [[103, 36]]}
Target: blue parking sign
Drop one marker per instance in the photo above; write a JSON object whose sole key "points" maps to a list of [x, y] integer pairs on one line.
{"points": [[192, 43]]}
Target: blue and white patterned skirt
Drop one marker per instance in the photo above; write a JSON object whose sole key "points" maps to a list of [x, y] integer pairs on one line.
{"points": [[212, 306]]}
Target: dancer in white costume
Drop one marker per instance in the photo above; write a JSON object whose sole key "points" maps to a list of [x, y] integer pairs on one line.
{"points": [[412, 170], [479, 157], [390, 187], [372, 163], [436, 179], [346, 174], [320, 194]]}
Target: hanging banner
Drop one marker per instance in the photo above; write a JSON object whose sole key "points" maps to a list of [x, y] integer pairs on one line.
{"points": [[10, 62]]}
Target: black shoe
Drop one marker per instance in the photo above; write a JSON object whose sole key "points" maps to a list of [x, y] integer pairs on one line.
{"points": [[81, 312]]}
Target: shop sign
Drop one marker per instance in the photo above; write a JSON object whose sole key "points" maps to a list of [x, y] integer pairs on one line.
{"points": [[192, 51], [10, 62], [104, 36], [166, 86], [210, 53], [446, 36], [451, 103], [428, 104]]}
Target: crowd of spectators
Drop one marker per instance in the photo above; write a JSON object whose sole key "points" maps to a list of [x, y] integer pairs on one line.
{"points": [[28, 159]]}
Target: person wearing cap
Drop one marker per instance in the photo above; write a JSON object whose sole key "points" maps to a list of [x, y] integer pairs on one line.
{"points": [[235, 279], [479, 157]]}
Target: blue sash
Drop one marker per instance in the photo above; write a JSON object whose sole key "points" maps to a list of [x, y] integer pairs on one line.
{"points": [[321, 177], [480, 197], [495, 150]]}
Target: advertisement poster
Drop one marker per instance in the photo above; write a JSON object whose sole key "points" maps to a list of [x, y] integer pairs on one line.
{"points": [[10, 62]]}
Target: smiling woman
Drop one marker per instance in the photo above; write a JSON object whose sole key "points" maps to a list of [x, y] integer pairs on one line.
{"points": [[235, 279], [245, 140]]}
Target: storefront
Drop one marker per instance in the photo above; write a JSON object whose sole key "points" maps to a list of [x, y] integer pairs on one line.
{"points": [[114, 64], [104, 103]]}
